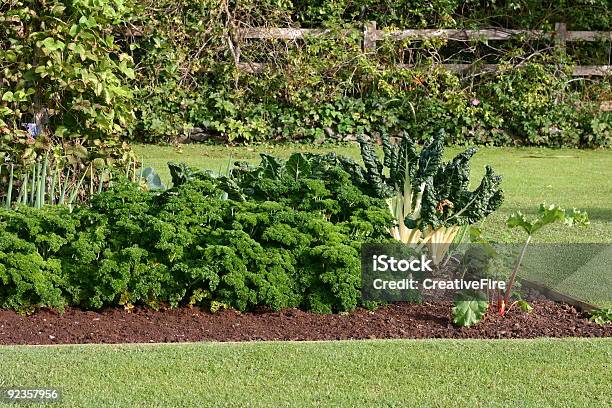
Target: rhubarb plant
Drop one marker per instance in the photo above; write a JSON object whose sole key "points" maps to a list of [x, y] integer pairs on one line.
{"points": [[546, 215], [429, 198], [469, 309]]}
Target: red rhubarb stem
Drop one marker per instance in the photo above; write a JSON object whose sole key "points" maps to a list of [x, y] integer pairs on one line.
{"points": [[514, 272]]}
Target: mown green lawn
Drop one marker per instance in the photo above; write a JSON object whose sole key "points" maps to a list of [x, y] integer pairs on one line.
{"points": [[403, 373]]}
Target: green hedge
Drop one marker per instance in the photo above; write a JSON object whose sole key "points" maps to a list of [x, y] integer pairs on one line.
{"points": [[325, 88], [84, 60]]}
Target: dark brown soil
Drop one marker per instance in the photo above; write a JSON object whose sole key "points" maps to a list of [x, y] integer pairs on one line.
{"points": [[401, 320]]}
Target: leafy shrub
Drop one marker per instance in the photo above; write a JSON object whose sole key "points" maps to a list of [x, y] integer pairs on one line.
{"points": [[69, 68], [192, 244], [63, 71], [30, 270], [324, 88]]}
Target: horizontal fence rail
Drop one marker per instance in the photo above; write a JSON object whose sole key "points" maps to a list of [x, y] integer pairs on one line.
{"points": [[581, 70], [450, 34], [370, 35]]}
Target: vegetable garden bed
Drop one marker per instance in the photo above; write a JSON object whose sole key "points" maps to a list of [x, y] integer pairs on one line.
{"points": [[273, 247], [399, 320]]}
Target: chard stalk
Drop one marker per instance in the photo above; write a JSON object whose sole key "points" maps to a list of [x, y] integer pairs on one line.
{"points": [[394, 210], [441, 240], [419, 199], [414, 236]]}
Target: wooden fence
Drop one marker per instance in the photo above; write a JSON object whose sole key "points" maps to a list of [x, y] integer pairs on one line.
{"points": [[370, 35]]}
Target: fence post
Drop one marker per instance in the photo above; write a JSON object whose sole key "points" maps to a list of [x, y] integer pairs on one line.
{"points": [[560, 40], [560, 35], [369, 36], [233, 44]]}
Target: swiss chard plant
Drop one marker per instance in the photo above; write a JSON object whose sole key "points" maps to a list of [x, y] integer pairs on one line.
{"points": [[428, 197]]}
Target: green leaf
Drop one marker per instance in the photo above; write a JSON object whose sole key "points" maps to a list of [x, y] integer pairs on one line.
{"points": [[517, 219], [431, 157], [547, 215], [297, 166], [49, 45], [74, 29], [404, 168], [57, 10], [153, 180], [8, 96], [128, 72], [181, 173], [374, 169], [231, 189], [61, 131], [271, 166], [469, 310], [525, 307], [576, 217]]}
